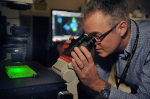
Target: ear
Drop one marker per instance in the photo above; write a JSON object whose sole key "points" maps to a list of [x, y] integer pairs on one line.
{"points": [[122, 28]]}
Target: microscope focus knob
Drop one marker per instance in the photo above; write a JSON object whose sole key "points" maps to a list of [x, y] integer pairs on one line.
{"points": [[68, 75]]}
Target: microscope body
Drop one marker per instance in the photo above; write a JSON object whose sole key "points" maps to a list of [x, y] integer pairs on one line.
{"points": [[63, 66], [66, 71]]}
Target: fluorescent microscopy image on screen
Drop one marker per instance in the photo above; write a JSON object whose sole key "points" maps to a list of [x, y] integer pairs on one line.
{"points": [[66, 24]]}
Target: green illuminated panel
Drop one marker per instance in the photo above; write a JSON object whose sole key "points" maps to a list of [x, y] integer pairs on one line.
{"points": [[19, 71]]}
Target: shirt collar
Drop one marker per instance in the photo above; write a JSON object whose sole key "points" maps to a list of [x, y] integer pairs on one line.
{"points": [[128, 49], [132, 39]]}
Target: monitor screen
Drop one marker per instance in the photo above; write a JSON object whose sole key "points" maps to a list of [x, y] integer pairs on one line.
{"points": [[66, 24]]}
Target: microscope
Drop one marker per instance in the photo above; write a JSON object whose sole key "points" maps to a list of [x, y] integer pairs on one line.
{"points": [[63, 66], [17, 39]]}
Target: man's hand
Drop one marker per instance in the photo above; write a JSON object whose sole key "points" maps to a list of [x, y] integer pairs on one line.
{"points": [[85, 68], [63, 46], [69, 41]]}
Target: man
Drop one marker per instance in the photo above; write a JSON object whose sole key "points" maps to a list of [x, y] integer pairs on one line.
{"points": [[122, 57]]}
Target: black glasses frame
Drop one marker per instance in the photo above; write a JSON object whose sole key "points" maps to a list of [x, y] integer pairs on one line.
{"points": [[105, 34]]}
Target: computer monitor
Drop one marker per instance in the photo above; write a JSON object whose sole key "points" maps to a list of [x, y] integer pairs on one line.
{"points": [[65, 24]]}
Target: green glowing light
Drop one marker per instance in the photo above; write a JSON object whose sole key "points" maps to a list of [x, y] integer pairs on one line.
{"points": [[5, 59], [13, 53], [18, 62], [19, 71], [73, 18], [74, 30]]}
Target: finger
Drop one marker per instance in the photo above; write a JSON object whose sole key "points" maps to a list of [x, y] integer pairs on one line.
{"points": [[69, 41], [81, 56], [87, 54], [76, 68], [72, 37], [76, 58]]}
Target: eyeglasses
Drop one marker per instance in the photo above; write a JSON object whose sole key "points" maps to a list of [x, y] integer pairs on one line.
{"points": [[100, 38]]}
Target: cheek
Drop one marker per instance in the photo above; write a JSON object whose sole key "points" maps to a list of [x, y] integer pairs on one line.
{"points": [[111, 43], [114, 43]]}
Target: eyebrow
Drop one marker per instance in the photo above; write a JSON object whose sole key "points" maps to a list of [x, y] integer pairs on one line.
{"points": [[93, 33]]}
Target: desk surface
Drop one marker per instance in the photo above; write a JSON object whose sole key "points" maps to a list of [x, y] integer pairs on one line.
{"points": [[47, 76], [48, 80]]}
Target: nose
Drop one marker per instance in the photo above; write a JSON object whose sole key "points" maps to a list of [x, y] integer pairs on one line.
{"points": [[97, 42]]}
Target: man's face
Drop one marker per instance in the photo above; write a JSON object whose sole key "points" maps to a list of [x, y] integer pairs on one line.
{"points": [[95, 25]]}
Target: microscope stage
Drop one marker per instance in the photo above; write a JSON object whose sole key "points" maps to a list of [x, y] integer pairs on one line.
{"points": [[27, 80]]}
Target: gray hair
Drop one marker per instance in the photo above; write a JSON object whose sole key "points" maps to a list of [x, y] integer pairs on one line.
{"points": [[116, 9]]}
